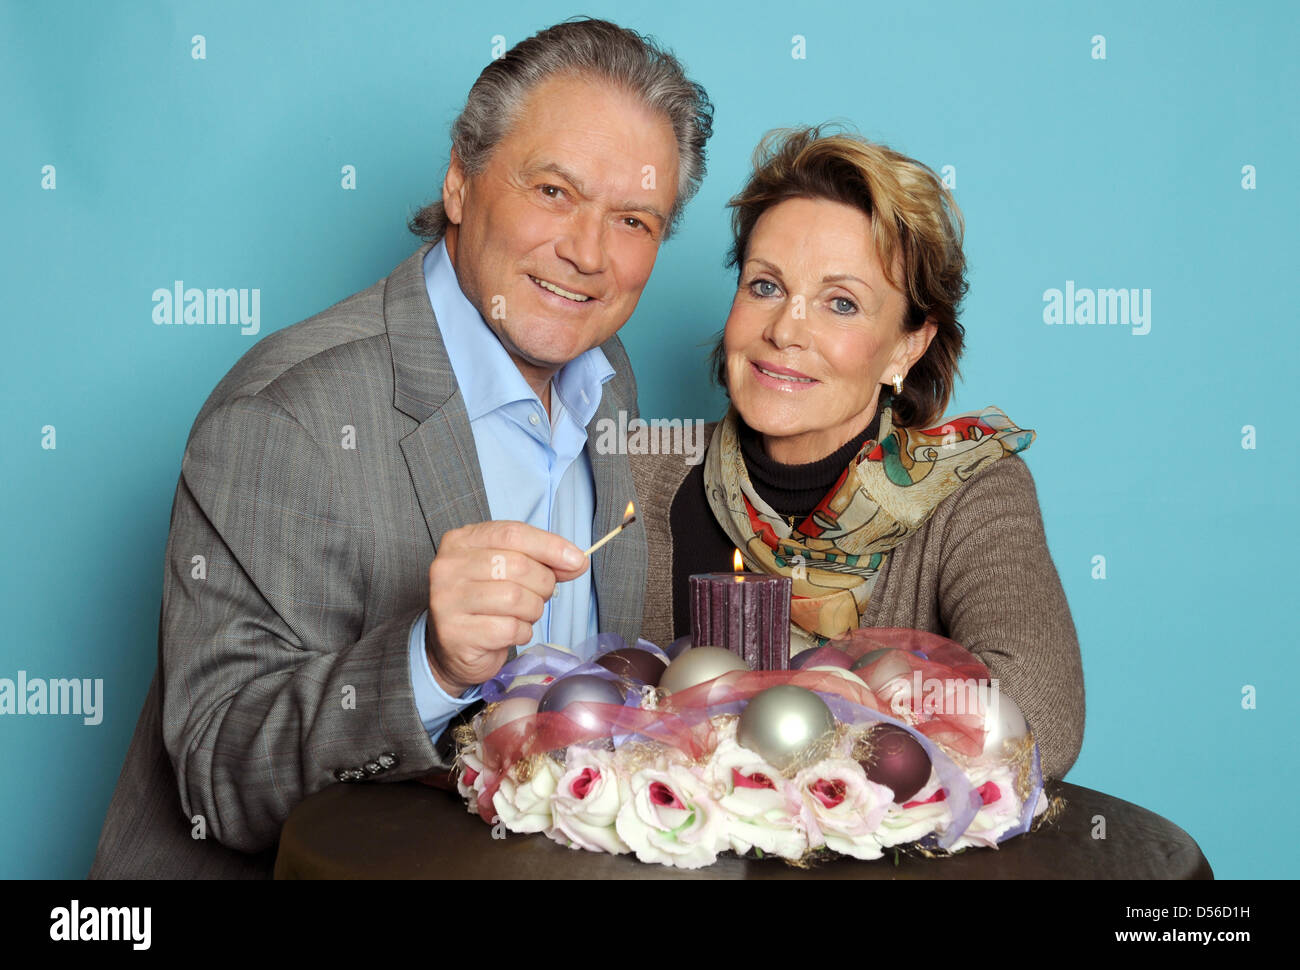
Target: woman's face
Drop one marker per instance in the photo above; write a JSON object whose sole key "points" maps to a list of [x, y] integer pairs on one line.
{"points": [[814, 330]]}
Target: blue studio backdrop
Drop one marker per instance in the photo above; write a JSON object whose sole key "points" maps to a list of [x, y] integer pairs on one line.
{"points": [[278, 149]]}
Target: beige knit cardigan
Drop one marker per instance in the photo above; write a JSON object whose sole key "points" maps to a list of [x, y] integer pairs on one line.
{"points": [[978, 571]]}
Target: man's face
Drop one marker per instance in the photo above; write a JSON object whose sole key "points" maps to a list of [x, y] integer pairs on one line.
{"points": [[574, 198]]}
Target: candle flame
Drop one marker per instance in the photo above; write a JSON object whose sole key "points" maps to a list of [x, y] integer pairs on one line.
{"points": [[737, 564]]}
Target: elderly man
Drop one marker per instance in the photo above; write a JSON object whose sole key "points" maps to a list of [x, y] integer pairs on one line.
{"points": [[378, 503]]}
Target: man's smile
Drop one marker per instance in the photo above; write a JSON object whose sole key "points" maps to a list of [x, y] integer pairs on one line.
{"points": [[560, 291]]}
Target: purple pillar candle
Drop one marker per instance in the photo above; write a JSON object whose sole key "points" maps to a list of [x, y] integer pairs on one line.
{"points": [[746, 613]]}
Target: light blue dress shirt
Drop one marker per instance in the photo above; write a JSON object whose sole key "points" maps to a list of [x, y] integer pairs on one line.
{"points": [[535, 469]]}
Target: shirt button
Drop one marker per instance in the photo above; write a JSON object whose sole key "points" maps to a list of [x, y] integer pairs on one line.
{"points": [[533, 419]]}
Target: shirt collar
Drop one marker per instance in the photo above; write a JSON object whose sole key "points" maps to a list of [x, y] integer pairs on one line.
{"points": [[487, 377]]}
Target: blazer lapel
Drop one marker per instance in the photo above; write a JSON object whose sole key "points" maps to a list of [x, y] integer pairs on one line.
{"points": [[440, 453]]}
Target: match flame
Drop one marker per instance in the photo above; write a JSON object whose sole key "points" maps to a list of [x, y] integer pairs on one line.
{"points": [[737, 564], [630, 513]]}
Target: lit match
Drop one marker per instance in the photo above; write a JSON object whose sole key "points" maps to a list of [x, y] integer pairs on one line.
{"points": [[628, 518]]}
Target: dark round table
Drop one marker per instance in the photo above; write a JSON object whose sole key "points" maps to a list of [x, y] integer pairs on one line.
{"points": [[407, 830]]}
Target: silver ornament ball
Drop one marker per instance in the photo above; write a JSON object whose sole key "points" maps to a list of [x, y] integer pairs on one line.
{"points": [[783, 723], [1003, 722], [698, 665]]}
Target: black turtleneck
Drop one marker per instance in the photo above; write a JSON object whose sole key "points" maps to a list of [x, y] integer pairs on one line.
{"points": [[699, 543]]}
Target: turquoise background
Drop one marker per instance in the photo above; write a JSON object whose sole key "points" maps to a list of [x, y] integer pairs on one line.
{"points": [[1123, 172]]}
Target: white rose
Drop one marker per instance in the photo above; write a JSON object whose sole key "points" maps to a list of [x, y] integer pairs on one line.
{"points": [[586, 803], [761, 807], [669, 818], [526, 806], [1001, 809], [472, 777], [907, 824], [842, 808]]}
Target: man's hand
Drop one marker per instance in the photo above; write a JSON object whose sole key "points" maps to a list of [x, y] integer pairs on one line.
{"points": [[488, 585]]}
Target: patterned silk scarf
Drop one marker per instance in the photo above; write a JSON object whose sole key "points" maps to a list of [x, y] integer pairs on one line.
{"points": [[890, 488]]}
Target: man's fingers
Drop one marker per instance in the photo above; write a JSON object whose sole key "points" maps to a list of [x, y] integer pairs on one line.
{"points": [[501, 599], [496, 635], [545, 547], [514, 567], [565, 575], [488, 585]]}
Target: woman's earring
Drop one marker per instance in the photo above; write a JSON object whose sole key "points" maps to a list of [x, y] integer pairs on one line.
{"points": [[898, 383]]}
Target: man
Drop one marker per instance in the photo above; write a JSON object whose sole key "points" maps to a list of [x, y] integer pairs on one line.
{"points": [[335, 591]]}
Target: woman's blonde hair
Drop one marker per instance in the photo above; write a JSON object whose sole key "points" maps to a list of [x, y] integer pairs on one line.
{"points": [[915, 225]]}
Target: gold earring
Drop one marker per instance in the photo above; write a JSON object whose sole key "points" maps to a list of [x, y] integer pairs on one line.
{"points": [[898, 383]]}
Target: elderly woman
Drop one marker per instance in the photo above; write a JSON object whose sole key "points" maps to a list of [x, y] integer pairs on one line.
{"points": [[834, 465]]}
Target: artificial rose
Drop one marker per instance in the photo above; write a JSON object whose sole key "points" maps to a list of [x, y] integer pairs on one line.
{"points": [[841, 808], [757, 802], [669, 818], [586, 802], [1001, 810], [925, 812], [728, 756], [473, 777], [526, 806]]}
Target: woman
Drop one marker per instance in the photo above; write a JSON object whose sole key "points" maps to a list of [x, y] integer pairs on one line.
{"points": [[833, 465]]}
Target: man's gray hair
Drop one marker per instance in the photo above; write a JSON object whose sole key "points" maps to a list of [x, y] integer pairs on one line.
{"points": [[586, 48]]}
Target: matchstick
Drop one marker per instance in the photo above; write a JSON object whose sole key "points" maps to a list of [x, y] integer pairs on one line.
{"points": [[628, 518]]}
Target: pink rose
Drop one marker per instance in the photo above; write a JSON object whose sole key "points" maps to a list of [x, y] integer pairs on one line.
{"points": [[1001, 808], [925, 812], [757, 801], [525, 806], [586, 803], [473, 777], [841, 808], [667, 816]]}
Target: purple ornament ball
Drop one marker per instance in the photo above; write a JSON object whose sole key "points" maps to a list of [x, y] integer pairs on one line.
{"points": [[581, 688], [633, 664], [897, 761]]}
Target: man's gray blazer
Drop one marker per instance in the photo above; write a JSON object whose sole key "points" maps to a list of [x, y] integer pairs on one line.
{"points": [[314, 565]]}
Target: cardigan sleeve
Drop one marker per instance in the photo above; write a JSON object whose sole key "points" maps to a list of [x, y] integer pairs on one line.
{"points": [[1001, 598]]}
